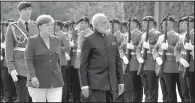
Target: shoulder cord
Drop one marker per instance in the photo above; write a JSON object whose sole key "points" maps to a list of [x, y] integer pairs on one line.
{"points": [[15, 36]]}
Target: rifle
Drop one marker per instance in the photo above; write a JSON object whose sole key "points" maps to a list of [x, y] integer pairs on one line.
{"points": [[128, 51], [2, 51], [186, 70], [71, 51], [113, 26], [161, 67], [141, 68]]}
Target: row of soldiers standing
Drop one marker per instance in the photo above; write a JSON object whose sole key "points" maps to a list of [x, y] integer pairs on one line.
{"points": [[147, 48], [151, 56]]}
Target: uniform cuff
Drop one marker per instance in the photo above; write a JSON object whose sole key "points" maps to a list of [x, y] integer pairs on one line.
{"points": [[84, 87]]}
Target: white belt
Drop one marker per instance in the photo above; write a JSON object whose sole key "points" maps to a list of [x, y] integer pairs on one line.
{"points": [[19, 49], [76, 50], [184, 53], [132, 53], [161, 53]]}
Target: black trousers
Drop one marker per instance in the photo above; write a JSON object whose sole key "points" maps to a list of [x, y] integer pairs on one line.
{"points": [[21, 89], [74, 84], [9, 87], [163, 88], [191, 84], [170, 81], [101, 96], [133, 87], [185, 89], [65, 93], [187, 85], [1, 87], [150, 84], [178, 83]]}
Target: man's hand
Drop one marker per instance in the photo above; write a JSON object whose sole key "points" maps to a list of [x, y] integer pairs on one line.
{"points": [[14, 75], [189, 46], [164, 46], [159, 61], [121, 89], [130, 46], [184, 62], [85, 92], [140, 60], [146, 45], [35, 82], [125, 60]]}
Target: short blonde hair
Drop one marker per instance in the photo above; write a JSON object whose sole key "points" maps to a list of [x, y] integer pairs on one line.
{"points": [[44, 19]]}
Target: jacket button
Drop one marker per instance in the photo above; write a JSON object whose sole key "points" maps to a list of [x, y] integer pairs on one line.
{"points": [[49, 60], [50, 68], [49, 53]]}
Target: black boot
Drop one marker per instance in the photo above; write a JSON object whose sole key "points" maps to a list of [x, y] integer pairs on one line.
{"points": [[14, 98], [8, 100]]}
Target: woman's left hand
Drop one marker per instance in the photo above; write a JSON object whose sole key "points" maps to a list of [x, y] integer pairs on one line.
{"points": [[35, 82]]}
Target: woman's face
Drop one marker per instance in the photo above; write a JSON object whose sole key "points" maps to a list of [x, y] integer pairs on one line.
{"points": [[47, 28]]}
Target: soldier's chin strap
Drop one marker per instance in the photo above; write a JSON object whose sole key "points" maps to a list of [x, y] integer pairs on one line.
{"points": [[15, 36]]}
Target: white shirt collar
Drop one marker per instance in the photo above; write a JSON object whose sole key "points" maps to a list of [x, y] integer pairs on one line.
{"points": [[132, 31], [117, 32], [23, 22]]}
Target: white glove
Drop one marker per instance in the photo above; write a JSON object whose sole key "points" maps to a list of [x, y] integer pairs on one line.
{"points": [[2, 45], [159, 60], [125, 60], [184, 62], [35, 82], [120, 89], [67, 56], [1, 58], [71, 43], [14, 75], [130, 45], [140, 60], [146, 45], [164, 46], [188, 46]]}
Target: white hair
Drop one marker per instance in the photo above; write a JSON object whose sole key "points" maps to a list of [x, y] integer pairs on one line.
{"points": [[96, 18]]}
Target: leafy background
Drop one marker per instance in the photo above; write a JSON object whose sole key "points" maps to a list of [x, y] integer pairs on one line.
{"points": [[122, 10]]}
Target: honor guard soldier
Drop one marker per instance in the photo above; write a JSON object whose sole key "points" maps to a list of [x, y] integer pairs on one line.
{"points": [[150, 80], [84, 29], [73, 65], [9, 87], [65, 49], [181, 27], [124, 27], [116, 30], [133, 84], [16, 38], [180, 51], [168, 65]]}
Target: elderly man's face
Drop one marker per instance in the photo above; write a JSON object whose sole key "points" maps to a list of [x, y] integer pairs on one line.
{"points": [[103, 25]]}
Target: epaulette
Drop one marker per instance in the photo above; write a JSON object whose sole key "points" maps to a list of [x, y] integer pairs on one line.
{"points": [[33, 22], [138, 32], [13, 23]]}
